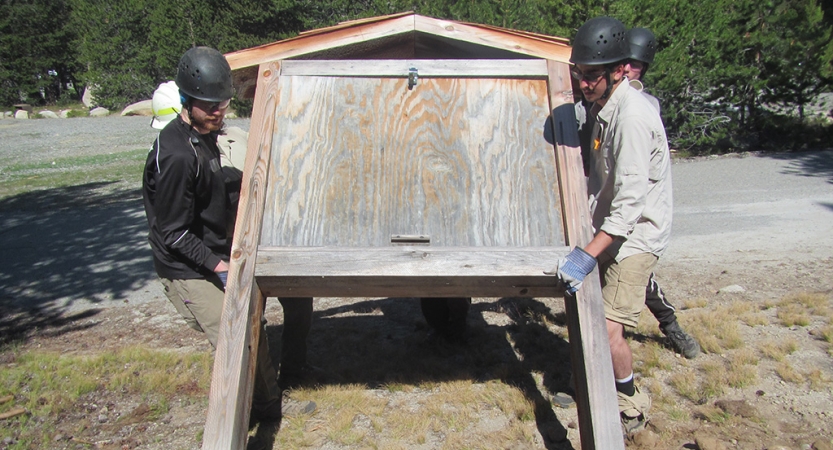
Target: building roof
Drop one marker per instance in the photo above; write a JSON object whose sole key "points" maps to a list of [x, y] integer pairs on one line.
{"points": [[406, 35]]}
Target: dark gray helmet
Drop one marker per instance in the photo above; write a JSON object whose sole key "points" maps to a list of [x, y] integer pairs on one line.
{"points": [[643, 44], [600, 40], [203, 73]]}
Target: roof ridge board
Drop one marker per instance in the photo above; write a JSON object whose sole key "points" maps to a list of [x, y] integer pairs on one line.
{"points": [[529, 34]]}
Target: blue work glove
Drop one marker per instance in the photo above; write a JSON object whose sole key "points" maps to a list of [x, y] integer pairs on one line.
{"points": [[573, 268], [223, 277]]}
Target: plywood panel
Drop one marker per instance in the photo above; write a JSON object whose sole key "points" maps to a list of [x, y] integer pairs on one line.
{"points": [[356, 160]]}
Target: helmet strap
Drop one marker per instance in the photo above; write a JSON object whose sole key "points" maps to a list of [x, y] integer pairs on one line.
{"points": [[609, 81], [609, 85]]}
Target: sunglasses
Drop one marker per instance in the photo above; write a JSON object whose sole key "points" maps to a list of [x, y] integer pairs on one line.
{"points": [[591, 77], [211, 106]]}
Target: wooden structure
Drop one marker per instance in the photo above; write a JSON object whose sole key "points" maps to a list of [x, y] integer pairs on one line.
{"points": [[408, 128]]}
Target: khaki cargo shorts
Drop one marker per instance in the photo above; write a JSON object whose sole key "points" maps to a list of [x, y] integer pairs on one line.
{"points": [[623, 287]]}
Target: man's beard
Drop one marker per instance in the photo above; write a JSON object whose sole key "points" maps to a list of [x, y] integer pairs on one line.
{"points": [[205, 125]]}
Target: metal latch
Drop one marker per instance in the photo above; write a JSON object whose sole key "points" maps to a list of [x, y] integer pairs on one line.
{"points": [[410, 239], [413, 76]]}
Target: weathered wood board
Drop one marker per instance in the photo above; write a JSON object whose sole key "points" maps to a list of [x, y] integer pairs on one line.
{"points": [[356, 160], [407, 271], [340, 160]]}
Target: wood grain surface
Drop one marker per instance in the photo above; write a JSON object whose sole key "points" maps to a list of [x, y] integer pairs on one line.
{"points": [[356, 160], [232, 378], [408, 271], [589, 347]]}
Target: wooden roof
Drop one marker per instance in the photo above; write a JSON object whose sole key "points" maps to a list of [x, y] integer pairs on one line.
{"points": [[406, 35]]}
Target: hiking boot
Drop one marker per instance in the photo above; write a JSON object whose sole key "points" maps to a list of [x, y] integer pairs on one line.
{"points": [[680, 341], [633, 410]]}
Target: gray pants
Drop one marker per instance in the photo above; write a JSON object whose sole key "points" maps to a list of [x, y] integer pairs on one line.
{"points": [[200, 302]]}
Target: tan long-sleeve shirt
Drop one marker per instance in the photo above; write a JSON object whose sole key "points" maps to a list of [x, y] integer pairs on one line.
{"points": [[630, 175]]}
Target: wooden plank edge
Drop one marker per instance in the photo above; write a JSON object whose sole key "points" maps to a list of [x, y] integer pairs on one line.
{"points": [[599, 422], [234, 362], [493, 38], [514, 68], [311, 43]]}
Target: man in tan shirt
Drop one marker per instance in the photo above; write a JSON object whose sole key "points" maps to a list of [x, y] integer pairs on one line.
{"points": [[629, 182]]}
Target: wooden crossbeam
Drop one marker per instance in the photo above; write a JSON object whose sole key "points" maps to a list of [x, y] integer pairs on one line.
{"points": [[408, 271]]}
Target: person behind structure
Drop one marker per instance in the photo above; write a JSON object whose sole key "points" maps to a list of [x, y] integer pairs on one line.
{"points": [[643, 47], [631, 201], [188, 200]]}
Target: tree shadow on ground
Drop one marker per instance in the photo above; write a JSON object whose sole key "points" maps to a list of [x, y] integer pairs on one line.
{"points": [[66, 250], [807, 164], [383, 342]]}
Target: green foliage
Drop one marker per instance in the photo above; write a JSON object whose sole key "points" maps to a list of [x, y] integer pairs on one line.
{"points": [[727, 71], [242, 107], [77, 113], [36, 61], [128, 47], [721, 68]]}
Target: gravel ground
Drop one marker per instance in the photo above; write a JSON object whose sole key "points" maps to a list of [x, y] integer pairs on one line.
{"points": [[25, 141], [759, 221]]}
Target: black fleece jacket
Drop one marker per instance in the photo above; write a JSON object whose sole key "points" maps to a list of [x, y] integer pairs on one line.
{"points": [[186, 203]]}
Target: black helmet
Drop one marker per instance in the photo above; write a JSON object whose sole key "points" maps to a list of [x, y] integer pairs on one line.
{"points": [[203, 73], [643, 44], [600, 40]]}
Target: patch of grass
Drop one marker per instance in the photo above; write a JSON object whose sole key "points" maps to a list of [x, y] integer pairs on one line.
{"points": [[796, 309], [699, 302], [742, 371], [778, 350], [748, 313], [650, 357], [714, 414], [48, 385], [741, 377], [354, 416], [791, 315], [72, 171], [788, 373], [73, 113], [685, 383], [713, 382], [826, 334], [819, 381], [715, 330]]}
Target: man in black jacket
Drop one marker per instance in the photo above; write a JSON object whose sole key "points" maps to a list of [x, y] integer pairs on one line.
{"points": [[189, 206]]}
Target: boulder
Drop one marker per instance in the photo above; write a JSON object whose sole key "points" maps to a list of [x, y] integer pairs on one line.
{"points": [[87, 97], [99, 112], [142, 108], [732, 289], [21, 114], [63, 114], [47, 114]]}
